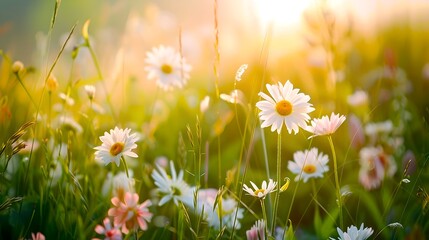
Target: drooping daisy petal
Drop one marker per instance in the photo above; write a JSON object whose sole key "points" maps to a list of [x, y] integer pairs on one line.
{"points": [[325, 125], [285, 105]]}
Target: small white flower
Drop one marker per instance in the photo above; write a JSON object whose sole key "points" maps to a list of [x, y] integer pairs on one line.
{"points": [[325, 125], [308, 164], [67, 123], [236, 96], [373, 129], [172, 187], [285, 105], [405, 180], [358, 98], [17, 67], [354, 234], [263, 191], [116, 144], [67, 99], [90, 91], [204, 104], [167, 67]]}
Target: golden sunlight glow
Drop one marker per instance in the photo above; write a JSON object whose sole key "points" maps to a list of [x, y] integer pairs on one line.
{"points": [[281, 12]]}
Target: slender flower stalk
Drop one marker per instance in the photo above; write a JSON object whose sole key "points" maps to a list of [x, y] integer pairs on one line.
{"points": [[326, 126], [277, 196], [25, 89], [337, 182], [316, 206], [125, 166], [264, 215], [88, 45]]}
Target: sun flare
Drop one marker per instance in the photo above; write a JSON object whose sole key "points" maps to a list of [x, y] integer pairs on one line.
{"points": [[281, 12]]}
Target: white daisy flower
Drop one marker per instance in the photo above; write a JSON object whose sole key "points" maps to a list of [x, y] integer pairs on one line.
{"points": [[263, 191], [231, 213], [167, 67], [354, 234], [172, 187], [286, 105], [325, 125], [308, 164], [116, 144], [67, 123]]}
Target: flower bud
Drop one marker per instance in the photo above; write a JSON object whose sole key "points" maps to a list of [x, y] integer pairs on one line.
{"points": [[52, 83], [85, 30], [90, 91], [17, 67]]}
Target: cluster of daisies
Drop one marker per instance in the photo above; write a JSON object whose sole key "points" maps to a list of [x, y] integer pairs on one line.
{"points": [[286, 105], [126, 212]]}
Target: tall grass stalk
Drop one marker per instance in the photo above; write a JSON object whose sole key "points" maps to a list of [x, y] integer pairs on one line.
{"points": [[40, 103]]}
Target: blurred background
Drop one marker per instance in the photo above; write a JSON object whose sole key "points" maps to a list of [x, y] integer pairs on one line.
{"points": [[290, 37]]}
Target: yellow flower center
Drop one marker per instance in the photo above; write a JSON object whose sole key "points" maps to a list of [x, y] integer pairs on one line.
{"points": [[309, 168], [176, 191], [116, 148], [167, 69], [259, 191], [284, 107]]}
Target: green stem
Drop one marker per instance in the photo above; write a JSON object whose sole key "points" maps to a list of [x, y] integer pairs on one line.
{"points": [[125, 166], [279, 165], [26, 90], [49, 108], [316, 207], [264, 214], [337, 182], [100, 76]]}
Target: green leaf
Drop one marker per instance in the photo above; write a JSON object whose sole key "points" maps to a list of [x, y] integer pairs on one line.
{"points": [[289, 233]]}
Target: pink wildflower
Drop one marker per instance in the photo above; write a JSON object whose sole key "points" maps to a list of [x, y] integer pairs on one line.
{"points": [[37, 236], [109, 232], [130, 215]]}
